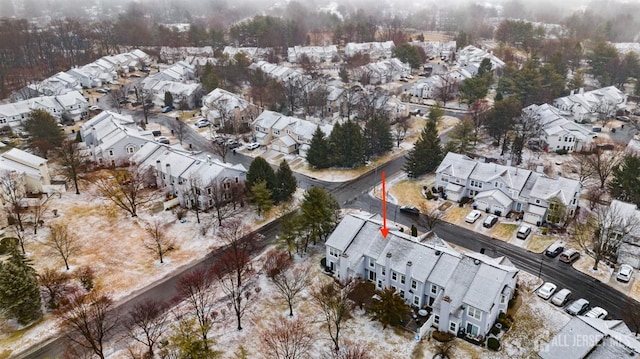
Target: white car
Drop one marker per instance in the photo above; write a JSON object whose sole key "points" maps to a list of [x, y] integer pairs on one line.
{"points": [[624, 273], [562, 297], [597, 312], [202, 123], [472, 217], [547, 290], [163, 140], [94, 108], [252, 146]]}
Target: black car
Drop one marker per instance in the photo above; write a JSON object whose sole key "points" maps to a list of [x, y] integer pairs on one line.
{"points": [[410, 210]]}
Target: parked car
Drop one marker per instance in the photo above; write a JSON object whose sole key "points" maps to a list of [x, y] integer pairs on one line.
{"points": [[473, 216], [569, 256], [410, 210], [523, 231], [490, 221], [623, 118], [202, 123], [624, 273], [403, 79], [167, 108], [145, 69], [233, 144], [102, 90], [596, 312], [554, 249], [94, 108], [546, 290], [562, 297], [252, 146], [134, 75], [577, 307], [163, 140]]}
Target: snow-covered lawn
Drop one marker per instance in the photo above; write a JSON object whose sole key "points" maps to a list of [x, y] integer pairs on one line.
{"points": [[539, 243], [585, 265]]}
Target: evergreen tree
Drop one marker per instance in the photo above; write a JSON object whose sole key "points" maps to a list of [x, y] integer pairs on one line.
{"points": [[19, 291], [208, 79], [285, 183], [625, 184], [260, 170], [319, 213], [426, 154], [260, 196], [318, 154], [168, 99], [378, 136], [347, 144], [389, 308], [44, 132]]}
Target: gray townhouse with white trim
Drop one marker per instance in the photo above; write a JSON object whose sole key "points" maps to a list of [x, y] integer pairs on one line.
{"points": [[464, 291]]}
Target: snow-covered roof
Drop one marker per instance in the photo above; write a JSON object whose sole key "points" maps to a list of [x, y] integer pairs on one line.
{"points": [[496, 195], [561, 188]]}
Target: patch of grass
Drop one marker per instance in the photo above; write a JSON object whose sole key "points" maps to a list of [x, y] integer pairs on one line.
{"points": [[504, 231], [455, 214], [407, 192], [539, 243], [418, 351]]}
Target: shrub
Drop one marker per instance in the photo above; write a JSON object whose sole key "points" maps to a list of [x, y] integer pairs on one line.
{"points": [[562, 151], [7, 244], [86, 276], [429, 196], [493, 343], [464, 200], [443, 336], [506, 323], [180, 213], [502, 315], [495, 330], [545, 231]]}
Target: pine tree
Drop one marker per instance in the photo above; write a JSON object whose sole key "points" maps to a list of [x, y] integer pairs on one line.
{"points": [[317, 156], [625, 184], [378, 136], [19, 291], [260, 170], [260, 195], [426, 154], [347, 144], [389, 308], [168, 99], [285, 183], [319, 213]]}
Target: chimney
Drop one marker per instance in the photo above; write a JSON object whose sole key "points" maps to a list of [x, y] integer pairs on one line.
{"points": [[387, 266], [445, 311], [540, 169], [168, 179], [343, 266], [407, 273]]}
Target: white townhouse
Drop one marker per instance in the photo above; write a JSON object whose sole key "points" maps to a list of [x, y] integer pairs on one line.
{"points": [[253, 53], [277, 72], [499, 189], [112, 138], [627, 47], [71, 104], [463, 292], [57, 84], [592, 105], [172, 55], [187, 94], [592, 338], [558, 133], [629, 249], [431, 87], [314, 53], [433, 49], [381, 72], [74, 105], [179, 72], [191, 178], [375, 50], [128, 61], [471, 54], [286, 134], [221, 105], [34, 169], [95, 74]]}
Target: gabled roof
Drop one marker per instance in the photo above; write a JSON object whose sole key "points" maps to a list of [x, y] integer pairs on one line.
{"points": [[457, 165], [25, 158], [496, 195], [562, 188]]}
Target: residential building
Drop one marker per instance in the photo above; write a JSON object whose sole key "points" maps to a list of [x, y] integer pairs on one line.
{"points": [[33, 169], [253, 53], [286, 134], [629, 249], [72, 105], [592, 105], [471, 54], [433, 86], [375, 50], [128, 61], [191, 179], [220, 106], [278, 72], [381, 72], [172, 55], [592, 338], [314, 53], [113, 138], [557, 132], [626, 47], [433, 49], [499, 189], [181, 71], [95, 74], [464, 292], [185, 95]]}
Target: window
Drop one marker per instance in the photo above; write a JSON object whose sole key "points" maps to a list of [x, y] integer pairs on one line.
{"points": [[475, 183], [276, 132], [372, 262], [111, 153], [383, 271], [402, 278], [472, 329], [416, 300], [130, 149], [434, 289], [474, 312], [402, 293], [414, 284], [503, 299], [379, 284], [394, 275], [333, 252], [453, 327], [537, 201], [198, 191], [445, 178], [436, 319], [372, 275], [209, 190]]}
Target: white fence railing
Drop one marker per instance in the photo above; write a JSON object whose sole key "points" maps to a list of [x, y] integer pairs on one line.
{"points": [[425, 327]]}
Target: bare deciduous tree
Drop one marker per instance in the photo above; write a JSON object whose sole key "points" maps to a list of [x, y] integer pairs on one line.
{"points": [[157, 240], [221, 149], [54, 283], [118, 96], [601, 162], [234, 269], [22, 236], [429, 216], [289, 282], [178, 129], [89, 320], [72, 162], [353, 350], [40, 207], [336, 308], [146, 323], [13, 195], [126, 187], [286, 339], [601, 233], [221, 196], [63, 242], [580, 165], [196, 289]]}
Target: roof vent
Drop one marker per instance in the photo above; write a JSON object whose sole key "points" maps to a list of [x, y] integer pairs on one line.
{"points": [[476, 261], [438, 253]]}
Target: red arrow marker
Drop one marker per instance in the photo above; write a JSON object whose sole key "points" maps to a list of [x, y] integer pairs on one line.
{"points": [[384, 230]]}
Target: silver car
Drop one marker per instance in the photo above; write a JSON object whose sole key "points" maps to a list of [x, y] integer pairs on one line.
{"points": [[624, 273]]}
